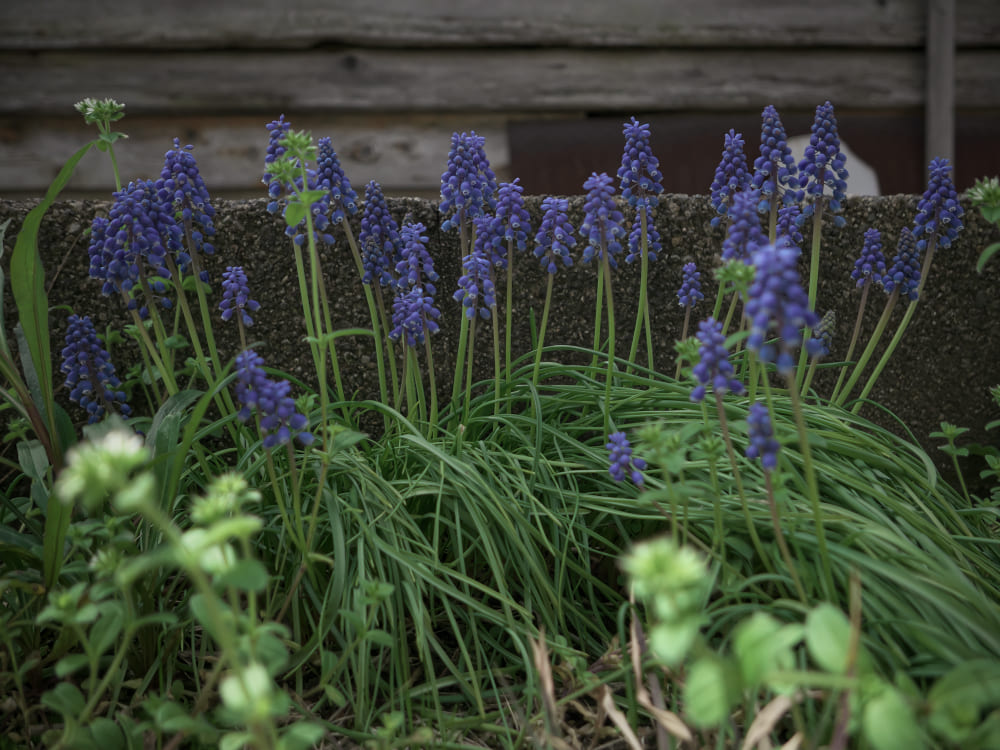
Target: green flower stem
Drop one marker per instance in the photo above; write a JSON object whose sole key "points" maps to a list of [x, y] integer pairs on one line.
{"points": [[384, 319], [508, 310], [642, 311], [854, 338], [496, 358], [817, 232], [432, 385], [684, 333], [314, 344], [456, 386], [747, 517], [606, 264], [718, 532], [165, 375], [598, 317], [813, 487], [910, 310], [541, 331], [870, 349], [772, 219], [779, 535], [468, 371]]}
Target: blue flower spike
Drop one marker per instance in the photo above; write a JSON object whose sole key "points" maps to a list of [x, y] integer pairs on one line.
{"points": [[621, 462]]}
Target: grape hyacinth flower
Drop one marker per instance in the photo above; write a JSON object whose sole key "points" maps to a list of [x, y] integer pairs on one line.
{"points": [[468, 186], [653, 242], [639, 175], [774, 170], [416, 267], [744, 235], [187, 194], [731, 176], [761, 433], [777, 303], [90, 375], [870, 265], [277, 130], [690, 291], [602, 221], [477, 281], [621, 462], [413, 316], [822, 338], [270, 399], [713, 366], [787, 232], [381, 245], [341, 199], [512, 223], [236, 296], [938, 213], [822, 166], [555, 239], [904, 272]]}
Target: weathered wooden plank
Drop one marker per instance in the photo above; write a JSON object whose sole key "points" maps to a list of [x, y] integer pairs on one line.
{"points": [[143, 24], [360, 80], [403, 153]]}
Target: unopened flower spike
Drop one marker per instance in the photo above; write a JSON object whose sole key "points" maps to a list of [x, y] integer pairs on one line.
{"points": [[904, 270], [774, 170], [939, 212], [821, 172], [270, 400], [185, 191], [690, 291], [416, 267], [512, 223], [90, 375], [713, 365], [621, 462], [413, 316], [475, 287], [870, 265], [341, 197], [761, 433], [639, 176], [236, 296], [731, 176], [276, 189], [468, 185], [777, 305], [602, 221], [787, 232], [744, 234], [555, 238], [381, 244]]}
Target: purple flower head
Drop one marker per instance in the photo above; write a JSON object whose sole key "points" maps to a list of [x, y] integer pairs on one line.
{"points": [[653, 243], [731, 176], [478, 278], [713, 365], [621, 462], [413, 316], [270, 399], [787, 233], [690, 291], [417, 267], [743, 235], [762, 443], [468, 186], [639, 175], [342, 198], [90, 376], [904, 272], [821, 341], [188, 197], [134, 242], [822, 166], [236, 295], [381, 245], [602, 221], [555, 234], [938, 213], [774, 170], [512, 223], [777, 305], [870, 265], [276, 131]]}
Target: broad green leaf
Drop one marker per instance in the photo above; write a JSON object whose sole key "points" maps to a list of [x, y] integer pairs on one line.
{"points": [[380, 638], [300, 736], [958, 699], [828, 636], [105, 631], [106, 734], [294, 214], [65, 698], [762, 645], [69, 664], [889, 723], [988, 253], [245, 575], [710, 691]]}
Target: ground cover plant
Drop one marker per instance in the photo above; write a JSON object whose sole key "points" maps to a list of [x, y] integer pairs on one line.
{"points": [[558, 556]]}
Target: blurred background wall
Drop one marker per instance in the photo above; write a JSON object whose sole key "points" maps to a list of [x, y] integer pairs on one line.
{"points": [[547, 82]]}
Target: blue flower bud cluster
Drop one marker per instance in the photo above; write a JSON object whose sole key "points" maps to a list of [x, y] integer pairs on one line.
{"points": [[653, 243], [468, 185], [713, 365], [639, 176], [602, 221], [731, 176], [621, 462], [774, 170], [341, 198], [904, 271], [555, 239], [821, 342], [277, 130], [743, 235], [938, 213], [777, 303], [512, 223], [187, 195], [270, 399], [90, 375], [413, 316], [236, 296], [870, 265], [416, 267], [761, 433], [690, 291], [787, 232], [381, 244], [822, 165], [477, 281]]}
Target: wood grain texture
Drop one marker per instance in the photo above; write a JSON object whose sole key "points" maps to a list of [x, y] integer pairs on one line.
{"points": [[228, 24], [365, 80]]}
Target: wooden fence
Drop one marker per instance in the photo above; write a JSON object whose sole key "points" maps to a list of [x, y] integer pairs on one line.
{"points": [[390, 81]]}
